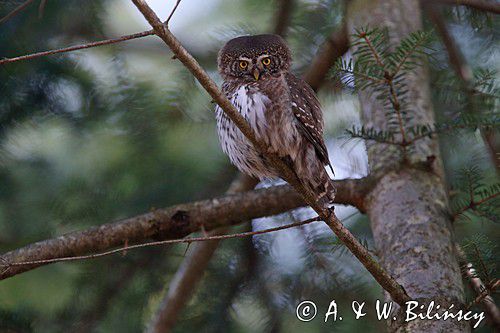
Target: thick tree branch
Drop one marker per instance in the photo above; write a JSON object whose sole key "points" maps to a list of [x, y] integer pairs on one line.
{"points": [[381, 276], [332, 49], [174, 222]]}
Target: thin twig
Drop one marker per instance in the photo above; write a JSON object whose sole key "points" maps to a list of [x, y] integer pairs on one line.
{"points": [[463, 71], [172, 12], [17, 10], [157, 243], [396, 104], [396, 291], [78, 47]]}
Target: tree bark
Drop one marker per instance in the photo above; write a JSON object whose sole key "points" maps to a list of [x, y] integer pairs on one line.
{"points": [[408, 208]]}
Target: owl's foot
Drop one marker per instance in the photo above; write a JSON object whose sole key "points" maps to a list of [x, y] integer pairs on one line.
{"points": [[326, 194], [331, 210]]}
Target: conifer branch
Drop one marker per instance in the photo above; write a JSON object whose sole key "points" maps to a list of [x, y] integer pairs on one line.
{"points": [[406, 51], [397, 107], [376, 55], [361, 74], [483, 292]]}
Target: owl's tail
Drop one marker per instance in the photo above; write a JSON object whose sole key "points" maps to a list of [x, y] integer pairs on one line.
{"points": [[322, 186], [325, 191], [313, 175]]}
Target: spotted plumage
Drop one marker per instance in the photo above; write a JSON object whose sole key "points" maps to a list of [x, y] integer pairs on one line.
{"points": [[281, 108]]}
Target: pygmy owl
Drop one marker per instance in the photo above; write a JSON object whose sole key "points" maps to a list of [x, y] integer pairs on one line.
{"points": [[281, 108]]}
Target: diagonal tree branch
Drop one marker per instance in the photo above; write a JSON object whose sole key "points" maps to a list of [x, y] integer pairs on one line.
{"points": [[478, 286], [174, 222], [16, 11], [283, 16], [86, 318], [332, 49], [381, 276], [190, 272]]}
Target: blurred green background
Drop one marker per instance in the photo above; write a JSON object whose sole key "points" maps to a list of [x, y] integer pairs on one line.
{"points": [[92, 136]]}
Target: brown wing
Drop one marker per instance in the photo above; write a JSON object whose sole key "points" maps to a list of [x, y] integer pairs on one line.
{"points": [[307, 111]]}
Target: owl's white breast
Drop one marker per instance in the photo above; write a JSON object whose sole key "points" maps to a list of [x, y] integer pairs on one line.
{"points": [[252, 105]]}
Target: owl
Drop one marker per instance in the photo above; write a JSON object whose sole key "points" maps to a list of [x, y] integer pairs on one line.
{"points": [[281, 108]]}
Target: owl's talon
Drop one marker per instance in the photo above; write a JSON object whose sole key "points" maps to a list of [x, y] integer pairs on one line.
{"points": [[331, 211]]}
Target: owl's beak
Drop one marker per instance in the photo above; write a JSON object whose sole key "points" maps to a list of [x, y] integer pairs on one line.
{"points": [[256, 74]]}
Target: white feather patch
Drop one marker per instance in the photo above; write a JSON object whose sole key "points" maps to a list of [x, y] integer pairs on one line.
{"points": [[252, 106]]}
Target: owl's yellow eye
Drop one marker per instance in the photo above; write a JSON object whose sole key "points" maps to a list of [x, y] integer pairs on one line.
{"points": [[266, 61], [243, 64]]}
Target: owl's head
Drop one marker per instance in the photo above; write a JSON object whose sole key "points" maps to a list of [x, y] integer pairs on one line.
{"points": [[254, 58]]}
